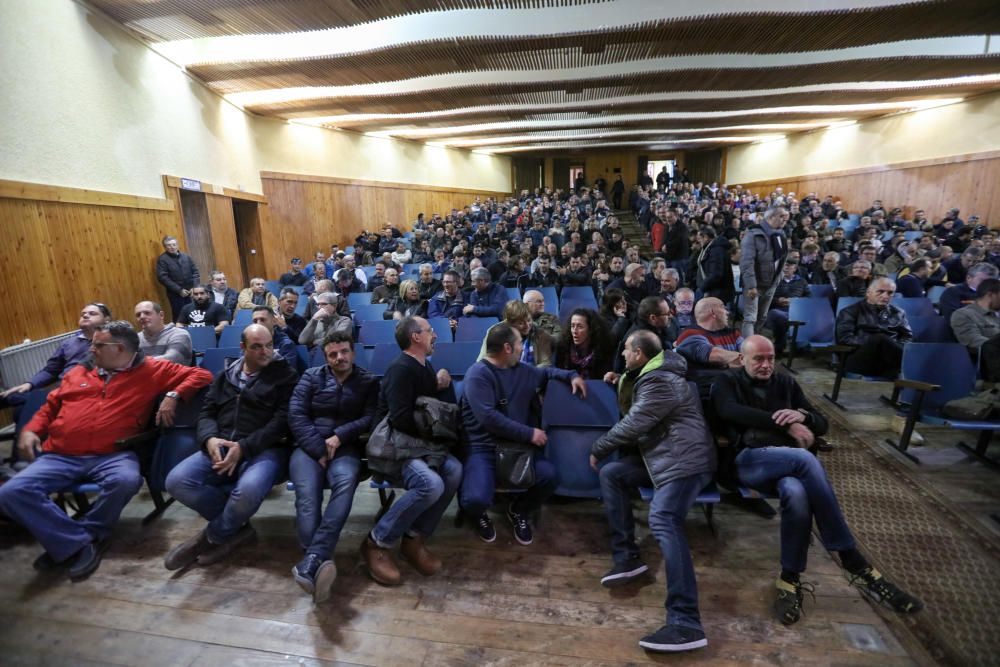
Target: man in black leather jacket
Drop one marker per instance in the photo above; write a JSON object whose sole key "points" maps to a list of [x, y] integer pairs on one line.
{"points": [[879, 330]]}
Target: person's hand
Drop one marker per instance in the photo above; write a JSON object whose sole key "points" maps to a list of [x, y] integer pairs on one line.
{"points": [[332, 443], [621, 308], [397, 315], [468, 309], [453, 324], [220, 326], [19, 389], [593, 462], [611, 377], [321, 314], [227, 466], [787, 417], [579, 386], [803, 436], [279, 321], [214, 448], [538, 437], [27, 443], [168, 408], [751, 293], [783, 302], [444, 379], [185, 293]]}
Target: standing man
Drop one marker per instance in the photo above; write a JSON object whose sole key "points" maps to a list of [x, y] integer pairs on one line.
{"points": [[665, 444], [178, 273], [497, 404], [160, 340], [99, 404], [242, 428], [331, 407], [203, 312], [762, 254]]}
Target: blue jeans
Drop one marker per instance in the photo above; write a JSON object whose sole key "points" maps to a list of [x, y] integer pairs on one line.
{"points": [[479, 483], [25, 498], [418, 511], [619, 480], [805, 494], [318, 530], [226, 502]]}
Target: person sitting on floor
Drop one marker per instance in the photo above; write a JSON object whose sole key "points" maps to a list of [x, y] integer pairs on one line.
{"points": [[99, 404], [243, 428], [776, 426], [877, 328], [663, 443]]}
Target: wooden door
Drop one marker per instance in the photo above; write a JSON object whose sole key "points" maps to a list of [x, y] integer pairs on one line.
{"points": [[249, 240]]}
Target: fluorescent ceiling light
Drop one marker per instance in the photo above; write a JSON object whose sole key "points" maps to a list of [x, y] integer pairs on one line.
{"points": [[651, 144], [841, 123]]}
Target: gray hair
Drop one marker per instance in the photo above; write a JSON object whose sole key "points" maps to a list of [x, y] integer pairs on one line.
{"points": [[983, 269], [480, 273], [670, 272], [122, 332], [328, 297]]}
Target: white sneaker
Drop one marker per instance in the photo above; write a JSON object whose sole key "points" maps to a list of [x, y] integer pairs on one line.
{"points": [[899, 423]]}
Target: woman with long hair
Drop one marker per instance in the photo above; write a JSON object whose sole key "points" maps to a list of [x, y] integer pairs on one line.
{"points": [[407, 303], [585, 346]]}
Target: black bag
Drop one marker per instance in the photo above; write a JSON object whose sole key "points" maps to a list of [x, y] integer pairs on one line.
{"points": [[515, 461]]}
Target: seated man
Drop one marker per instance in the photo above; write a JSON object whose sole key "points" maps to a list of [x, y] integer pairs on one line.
{"points": [[256, 295], [655, 317], [331, 407], [977, 326], [295, 277], [324, 320], [684, 300], [913, 284], [427, 284], [547, 322], [711, 346], [223, 294], [243, 428], [450, 301], [964, 293], [290, 322], [776, 425], [284, 347], [499, 396], [856, 284], [317, 275], [203, 312], [792, 285], [487, 299], [388, 289], [84, 424], [72, 351], [664, 443], [877, 328], [159, 340], [430, 484]]}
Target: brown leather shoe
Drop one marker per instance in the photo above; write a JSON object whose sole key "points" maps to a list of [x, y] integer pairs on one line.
{"points": [[417, 555], [380, 563]]}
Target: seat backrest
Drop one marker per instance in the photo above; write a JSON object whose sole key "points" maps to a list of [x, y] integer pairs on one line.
{"points": [[845, 301], [456, 357], [933, 329], [825, 291], [369, 312], [215, 358], [578, 293], [442, 327], [817, 315], [551, 299], [374, 332], [473, 329], [915, 306], [230, 336], [567, 306], [562, 408], [33, 402], [202, 338], [355, 299], [935, 292], [513, 294], [381, 356], [945, 364], [243, 318], [274, 287]]}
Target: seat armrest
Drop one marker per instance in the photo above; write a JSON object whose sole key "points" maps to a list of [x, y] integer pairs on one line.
{"points": [[137, 440], [915, 384]]}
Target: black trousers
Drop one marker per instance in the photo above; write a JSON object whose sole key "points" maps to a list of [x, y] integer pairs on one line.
{"points": [[989, 359], [177, 303], [879, 356]]}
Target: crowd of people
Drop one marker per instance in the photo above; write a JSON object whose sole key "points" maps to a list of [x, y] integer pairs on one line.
{"points": [[679, 333]]}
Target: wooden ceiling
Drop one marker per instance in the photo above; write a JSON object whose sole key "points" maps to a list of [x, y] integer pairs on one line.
{"points": [[537, 76]]}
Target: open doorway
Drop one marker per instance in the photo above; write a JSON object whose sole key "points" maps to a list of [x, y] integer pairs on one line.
{"points": [[576, 172], [655, 167]]}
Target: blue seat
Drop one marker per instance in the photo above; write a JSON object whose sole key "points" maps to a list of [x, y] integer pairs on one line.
{"points": [[473, 329], [301, 357], [915, 306], [215, 358], [845, 301], [935, 292], [349, 250], [374, 332], [932, 329], [316, 357], [243, 318], [551, 299], [369, 312], [811, 324], [202, 338], [302, 305], [455, 357], [274, 287], [513, 294], [230, 336], [573, 425], [855, 218], [579, 293], [913, 235], [708, 498], [442, 327], [174, 444], [933, 374], [355, 299], [369, 271], [410, 268], [567, 306], [825, 291], [380, 357]]}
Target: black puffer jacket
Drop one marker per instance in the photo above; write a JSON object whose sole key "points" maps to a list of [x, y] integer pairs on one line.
{"points": [[715, 271], [861, 320], [665, 422], [256, 417]]}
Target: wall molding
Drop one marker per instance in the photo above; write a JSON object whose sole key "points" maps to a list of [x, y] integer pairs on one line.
{"points": [[208, 188], [67, 195], [309, 178]]}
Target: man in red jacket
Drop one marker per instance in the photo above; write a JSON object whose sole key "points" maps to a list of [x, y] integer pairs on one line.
{"points": [[97, 405]]}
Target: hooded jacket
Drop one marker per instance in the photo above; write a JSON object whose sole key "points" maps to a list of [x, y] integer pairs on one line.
{"points": [[665, 422]]}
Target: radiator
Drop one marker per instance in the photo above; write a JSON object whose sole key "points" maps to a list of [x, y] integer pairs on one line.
{"points": [[19, 362]]}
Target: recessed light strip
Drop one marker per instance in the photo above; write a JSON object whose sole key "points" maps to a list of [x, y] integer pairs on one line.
{"points": [[651, 144]]}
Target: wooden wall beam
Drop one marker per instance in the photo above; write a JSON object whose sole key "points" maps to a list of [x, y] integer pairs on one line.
{"points": [[309, 178], [58, 193]]}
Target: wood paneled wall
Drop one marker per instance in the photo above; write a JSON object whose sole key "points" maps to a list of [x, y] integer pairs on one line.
{"points": [[971, 182], [309, 213]]}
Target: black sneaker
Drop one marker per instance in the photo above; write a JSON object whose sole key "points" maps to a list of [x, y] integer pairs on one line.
{"points": [[874, 586], [522, 529], [187, 552], [788, 603], [86, 561], [305, 572], [45, 563], [622, 574], [674, 638], [485, 529]]}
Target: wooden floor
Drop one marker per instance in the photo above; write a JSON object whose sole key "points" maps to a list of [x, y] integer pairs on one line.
{"points": [[493, 604]]}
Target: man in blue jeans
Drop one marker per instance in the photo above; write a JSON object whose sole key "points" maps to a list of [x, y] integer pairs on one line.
{"points": [[243, 428], [499, 393], [775, 426], [331, 407], [430, 482], [664, 442]]}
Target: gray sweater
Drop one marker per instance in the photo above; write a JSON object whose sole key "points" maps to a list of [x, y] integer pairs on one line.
{"points": [[172, 344], [974, 325]]}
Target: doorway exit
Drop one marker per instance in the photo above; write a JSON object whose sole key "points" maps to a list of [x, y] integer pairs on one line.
{"points": [[655, 167]]}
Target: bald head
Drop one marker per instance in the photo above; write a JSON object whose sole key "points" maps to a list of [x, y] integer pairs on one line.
{"points": [[258, 347], [710, 313], [757, 354]]}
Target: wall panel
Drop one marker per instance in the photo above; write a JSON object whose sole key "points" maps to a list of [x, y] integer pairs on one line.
{"points": [[967, 181]]}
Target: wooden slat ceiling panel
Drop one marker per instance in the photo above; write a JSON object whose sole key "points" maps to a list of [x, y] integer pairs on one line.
{"points": [[737, 34], [547, 92]]}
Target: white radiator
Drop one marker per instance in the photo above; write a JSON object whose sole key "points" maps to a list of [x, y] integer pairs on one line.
{"points": [[19, 362]]}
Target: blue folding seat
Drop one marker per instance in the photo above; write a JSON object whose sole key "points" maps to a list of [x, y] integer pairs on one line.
{"points": [[811, 324], [202, 338], [369, 312], [242, 318], [230, 336], [215, 358], [572, 425], [473, 329], [455, 357]]}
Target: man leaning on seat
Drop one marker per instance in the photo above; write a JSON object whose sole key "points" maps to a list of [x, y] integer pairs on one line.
{"points": [[98, 404]]}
